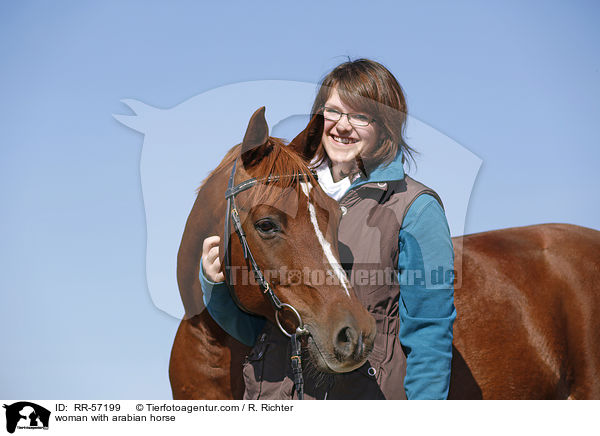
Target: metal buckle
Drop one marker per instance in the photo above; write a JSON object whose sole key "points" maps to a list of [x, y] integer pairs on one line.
{"points": [[300, 330]]}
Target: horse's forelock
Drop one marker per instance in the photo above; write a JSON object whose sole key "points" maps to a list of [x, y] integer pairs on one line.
{"points": [[283, 162]]}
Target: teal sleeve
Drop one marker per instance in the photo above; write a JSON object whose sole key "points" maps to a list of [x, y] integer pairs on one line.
{"points": [[242, 326], [427, 311]]}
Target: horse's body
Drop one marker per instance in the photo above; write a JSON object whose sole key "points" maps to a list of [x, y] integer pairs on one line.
{"points": [[528, 305], [528, 314]]}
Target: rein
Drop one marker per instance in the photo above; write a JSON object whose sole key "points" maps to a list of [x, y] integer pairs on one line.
{"points": [[232, 215]]}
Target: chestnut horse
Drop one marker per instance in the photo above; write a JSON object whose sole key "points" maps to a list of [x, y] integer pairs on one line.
{"points": [[528, 299], [528, 314], [290, 224]]}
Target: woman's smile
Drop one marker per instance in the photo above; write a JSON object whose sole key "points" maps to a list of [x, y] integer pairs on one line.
{"points": [[344, 140]]}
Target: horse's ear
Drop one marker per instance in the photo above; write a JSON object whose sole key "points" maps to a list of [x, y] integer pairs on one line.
{"points": [[307, 142], [254, 145]]}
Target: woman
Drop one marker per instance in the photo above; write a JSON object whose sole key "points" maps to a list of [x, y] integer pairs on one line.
{"points": [[390, 223]]}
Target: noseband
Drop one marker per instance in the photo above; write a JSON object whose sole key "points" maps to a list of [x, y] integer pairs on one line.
{"points": [[278, 306]]}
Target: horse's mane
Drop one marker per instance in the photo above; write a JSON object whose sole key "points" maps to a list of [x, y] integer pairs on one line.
{"points": [[280, 161]]}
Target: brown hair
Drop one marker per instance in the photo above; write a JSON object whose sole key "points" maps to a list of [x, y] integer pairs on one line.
{"points": [[370, 87]]}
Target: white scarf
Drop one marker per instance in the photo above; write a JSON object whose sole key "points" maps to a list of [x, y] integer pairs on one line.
{"points": [[335, 190]]}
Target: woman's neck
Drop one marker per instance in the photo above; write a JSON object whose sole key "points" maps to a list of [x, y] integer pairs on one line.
{"points": [[340, 171]]}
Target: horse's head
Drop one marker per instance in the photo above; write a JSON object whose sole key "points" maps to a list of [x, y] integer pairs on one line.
{"points": [[291, 229]]}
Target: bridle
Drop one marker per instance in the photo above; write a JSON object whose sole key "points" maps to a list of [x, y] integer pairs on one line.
{"points": [[278, 306]]}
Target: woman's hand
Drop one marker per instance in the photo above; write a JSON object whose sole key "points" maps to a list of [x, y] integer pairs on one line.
{"points": [[210, 259]]}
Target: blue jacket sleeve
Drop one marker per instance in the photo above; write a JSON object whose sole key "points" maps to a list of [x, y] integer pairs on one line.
{"points": [[427, 312], [242, 326]]}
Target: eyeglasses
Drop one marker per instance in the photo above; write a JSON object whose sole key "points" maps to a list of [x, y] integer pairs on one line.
{"points": [[357, 120]]}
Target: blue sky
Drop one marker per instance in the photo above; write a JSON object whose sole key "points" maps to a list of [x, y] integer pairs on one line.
{"points": [[516, 83]]}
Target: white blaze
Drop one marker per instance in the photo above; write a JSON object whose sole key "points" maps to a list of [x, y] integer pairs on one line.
{"points": [[335, 266]]}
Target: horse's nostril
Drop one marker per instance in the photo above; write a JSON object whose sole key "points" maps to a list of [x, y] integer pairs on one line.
{"points": [[346, 343], [344, 336]]}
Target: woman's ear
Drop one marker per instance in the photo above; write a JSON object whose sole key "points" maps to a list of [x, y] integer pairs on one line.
{"points": [[308, 141], [255, 145]]}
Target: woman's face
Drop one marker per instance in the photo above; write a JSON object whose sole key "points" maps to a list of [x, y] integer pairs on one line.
{"points": [[343, 141]]}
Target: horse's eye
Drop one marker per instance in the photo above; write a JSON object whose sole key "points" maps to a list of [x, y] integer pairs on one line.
{"points": [[266, 226]]}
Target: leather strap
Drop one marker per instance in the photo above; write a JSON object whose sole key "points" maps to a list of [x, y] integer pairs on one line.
{"points": [[296, 360]]}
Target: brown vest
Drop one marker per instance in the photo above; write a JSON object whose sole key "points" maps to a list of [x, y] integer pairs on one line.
{"points": [[368, 244]]}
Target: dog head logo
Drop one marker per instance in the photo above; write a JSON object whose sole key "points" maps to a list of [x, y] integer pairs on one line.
{"points": [[26, 415]]}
